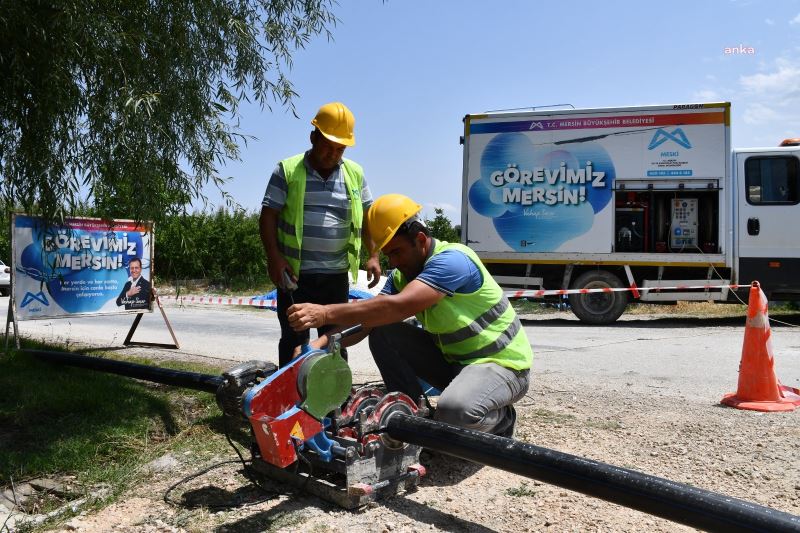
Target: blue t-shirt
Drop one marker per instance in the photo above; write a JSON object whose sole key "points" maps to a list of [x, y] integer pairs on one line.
{"points": [[449, 272]]}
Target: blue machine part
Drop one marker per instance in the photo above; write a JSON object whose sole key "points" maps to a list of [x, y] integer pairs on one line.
{"points": [[428, 389], [321, 444]]}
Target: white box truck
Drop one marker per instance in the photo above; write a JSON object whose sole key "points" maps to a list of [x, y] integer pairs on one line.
{"points": [[648, 196]]}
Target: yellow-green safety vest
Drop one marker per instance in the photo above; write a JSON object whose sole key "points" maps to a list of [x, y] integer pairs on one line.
{"points": [[290, 220], [479, 327]]}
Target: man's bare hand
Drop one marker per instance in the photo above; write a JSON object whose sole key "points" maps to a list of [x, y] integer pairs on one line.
{"points": [[373, 268], [133, 291], [306, 316], [316, 344], [277, 264]]}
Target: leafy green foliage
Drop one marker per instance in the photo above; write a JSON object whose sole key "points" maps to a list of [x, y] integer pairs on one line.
{"points": [[223, 247], [5, 233], [441, 227], [133, 105]]}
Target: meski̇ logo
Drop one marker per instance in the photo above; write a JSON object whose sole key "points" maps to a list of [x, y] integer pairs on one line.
{"points": [[661, 136], [38, 297]]}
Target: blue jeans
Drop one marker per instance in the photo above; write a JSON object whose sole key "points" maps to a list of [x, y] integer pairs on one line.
{"points": [[477, 396]]}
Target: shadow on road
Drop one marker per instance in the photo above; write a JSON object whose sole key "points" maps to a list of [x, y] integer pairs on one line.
{"points": [[661, 322], [438, 520], [290, 514]]}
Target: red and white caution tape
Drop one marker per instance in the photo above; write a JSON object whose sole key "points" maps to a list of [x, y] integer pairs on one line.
{"points": [[243, 300], [559, 292], [222, 300]]}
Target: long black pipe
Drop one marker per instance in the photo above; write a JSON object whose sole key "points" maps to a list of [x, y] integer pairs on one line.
{"points": [[179, 378], [654, 495]]}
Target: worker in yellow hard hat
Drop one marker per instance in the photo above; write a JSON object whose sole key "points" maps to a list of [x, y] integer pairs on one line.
{"points": [[312, 222], [471, 345]]}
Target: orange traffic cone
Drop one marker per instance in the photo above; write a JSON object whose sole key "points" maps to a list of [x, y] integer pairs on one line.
{"points": [[759, 388]]}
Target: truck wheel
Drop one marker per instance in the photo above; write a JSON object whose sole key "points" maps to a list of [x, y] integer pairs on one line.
{"points": [[599, 307]]}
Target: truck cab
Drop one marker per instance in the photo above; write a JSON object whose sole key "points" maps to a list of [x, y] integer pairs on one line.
{"points": [[767, 218]]}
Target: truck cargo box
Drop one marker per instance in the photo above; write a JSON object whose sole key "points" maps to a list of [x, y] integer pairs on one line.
{"points": [[627, 185]]}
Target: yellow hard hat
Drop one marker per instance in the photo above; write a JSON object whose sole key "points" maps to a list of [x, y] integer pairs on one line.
{"points": [[336, 123], [386, 215]]}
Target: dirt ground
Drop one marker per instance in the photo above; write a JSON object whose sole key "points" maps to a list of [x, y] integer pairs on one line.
{"points": [[747, 455], [644, 395]]}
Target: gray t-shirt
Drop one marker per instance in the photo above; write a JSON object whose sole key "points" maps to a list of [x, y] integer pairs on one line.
{"points": [[326, 217]]}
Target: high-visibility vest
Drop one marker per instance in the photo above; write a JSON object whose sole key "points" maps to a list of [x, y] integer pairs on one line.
{"points": [[290, 220], [479, 327]]}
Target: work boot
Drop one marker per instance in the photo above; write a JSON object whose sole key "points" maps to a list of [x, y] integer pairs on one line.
{"points": [[507, 427]]}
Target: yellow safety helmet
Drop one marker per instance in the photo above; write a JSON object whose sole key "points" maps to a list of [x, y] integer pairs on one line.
{"points": [[336, 123], [386, 215]]}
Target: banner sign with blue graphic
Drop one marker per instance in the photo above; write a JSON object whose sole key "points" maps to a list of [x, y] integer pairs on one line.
{"points": [[85, 267], [544, 182]]}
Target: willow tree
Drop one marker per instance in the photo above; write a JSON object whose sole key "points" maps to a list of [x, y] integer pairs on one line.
{"points": [[133, 105]]}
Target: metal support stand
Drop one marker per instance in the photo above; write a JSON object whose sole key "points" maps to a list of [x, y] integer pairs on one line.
{"points": [[129, 342], [11, 318]]}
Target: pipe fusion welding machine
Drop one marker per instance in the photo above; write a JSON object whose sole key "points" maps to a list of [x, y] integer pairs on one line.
{"points": [[308, 412]]}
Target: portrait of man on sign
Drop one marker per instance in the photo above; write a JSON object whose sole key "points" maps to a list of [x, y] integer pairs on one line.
{"points": [[137, 292]]}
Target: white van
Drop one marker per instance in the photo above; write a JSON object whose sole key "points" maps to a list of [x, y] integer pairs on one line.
{"points": [[5, 279]]}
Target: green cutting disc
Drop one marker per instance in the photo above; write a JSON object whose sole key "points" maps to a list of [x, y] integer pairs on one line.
{"points": [[324, 383]]}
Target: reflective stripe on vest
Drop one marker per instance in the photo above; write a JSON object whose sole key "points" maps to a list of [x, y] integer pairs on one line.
{"points": [[469, 333], [289, 252], [500, 342], [290, 219], [477, 325], [287, 228]]}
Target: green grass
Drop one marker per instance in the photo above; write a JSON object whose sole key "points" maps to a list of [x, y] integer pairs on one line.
{"points": [[232, 287], [603, 424], [550, 417], [521, 491], [692, 309], [57, 420], [687, 309], [523, 306], [282, 520]]}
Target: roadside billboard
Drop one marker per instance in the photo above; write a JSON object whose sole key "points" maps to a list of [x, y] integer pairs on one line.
{"points": [[84, 267]]}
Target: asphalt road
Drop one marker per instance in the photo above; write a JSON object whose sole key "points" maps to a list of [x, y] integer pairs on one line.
{"points": [[686, 357]]}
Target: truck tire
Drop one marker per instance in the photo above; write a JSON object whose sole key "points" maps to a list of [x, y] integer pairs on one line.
{"points": [[598, 308]]}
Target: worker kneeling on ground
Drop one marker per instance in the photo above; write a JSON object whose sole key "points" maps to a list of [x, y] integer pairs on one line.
{"points": [[471, 346]]}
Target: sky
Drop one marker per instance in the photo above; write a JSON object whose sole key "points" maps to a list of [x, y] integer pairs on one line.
{"points": [[411, 70]]}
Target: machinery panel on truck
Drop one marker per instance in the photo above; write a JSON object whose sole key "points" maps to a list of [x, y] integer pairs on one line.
{"points": [[624, 180]]}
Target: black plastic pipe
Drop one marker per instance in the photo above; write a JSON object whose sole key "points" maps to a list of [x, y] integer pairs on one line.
{"points": [[178, 378], [654, 495]]}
